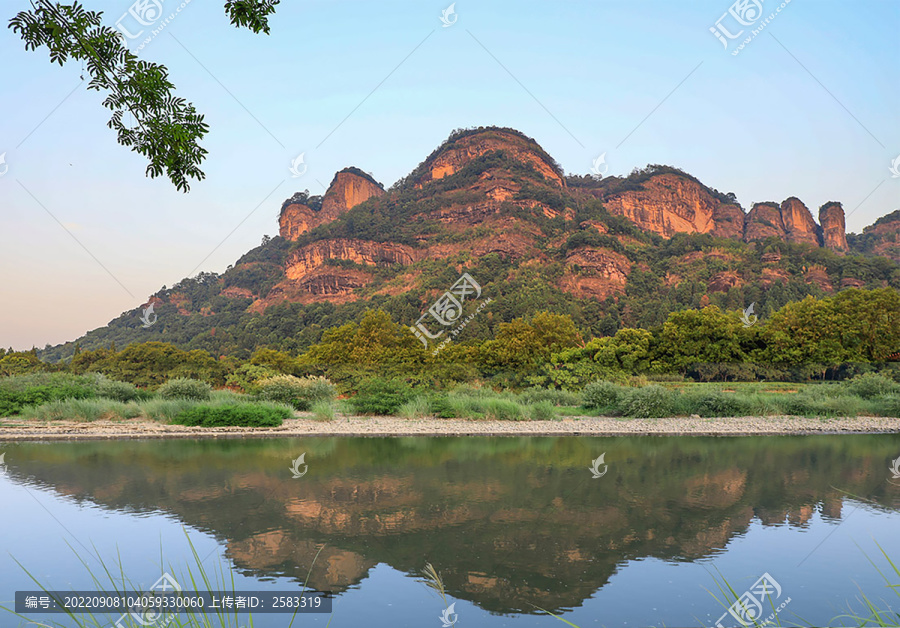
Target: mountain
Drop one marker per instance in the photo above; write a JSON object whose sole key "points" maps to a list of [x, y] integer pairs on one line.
{"points": [[610, 252]]}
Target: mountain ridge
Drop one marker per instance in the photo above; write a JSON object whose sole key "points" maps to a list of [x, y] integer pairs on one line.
{"points": [[608, 251]]}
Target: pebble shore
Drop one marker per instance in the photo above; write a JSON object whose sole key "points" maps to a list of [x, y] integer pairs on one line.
{"points": [[13, 429]]}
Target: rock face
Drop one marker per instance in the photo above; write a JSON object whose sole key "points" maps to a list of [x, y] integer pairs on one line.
{"points": [[792, 221], [668, 204], [595, 272], [834, 233], [301, 262], [883, 237], [798, 222], [297, 219], [347, 190], [457, 154], [763, 221], [312, 276]]}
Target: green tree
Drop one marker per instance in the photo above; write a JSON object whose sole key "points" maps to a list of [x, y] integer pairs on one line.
{"points": [[701, 336]]}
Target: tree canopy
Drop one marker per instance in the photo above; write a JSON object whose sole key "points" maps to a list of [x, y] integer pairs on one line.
{"points": [[163, 127]]}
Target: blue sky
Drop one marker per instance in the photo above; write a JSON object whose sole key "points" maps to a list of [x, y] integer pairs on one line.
{"points": [[809, 108]]}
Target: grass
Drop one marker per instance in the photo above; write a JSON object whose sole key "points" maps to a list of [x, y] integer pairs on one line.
{"points": [[57, 396], [323, 411], [867, 395], [416, 408], [223, 408], [260, 414], [82, 410]]}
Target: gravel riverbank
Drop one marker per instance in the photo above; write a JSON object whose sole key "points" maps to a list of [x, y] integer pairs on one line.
{"points": [[13, 429]]}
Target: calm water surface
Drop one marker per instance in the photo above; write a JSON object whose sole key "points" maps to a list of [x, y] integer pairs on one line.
{"points": [[511, 523]]}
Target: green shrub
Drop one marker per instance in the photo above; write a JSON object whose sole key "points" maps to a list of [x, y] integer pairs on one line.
{"points": [[551, 395], [816, 405], [415, 408], [542, 411], [119, 391], [503, 410], [299, 392], [184, 388], [649, 402], [19, 391], [871, 386], [81, 410], [381, 396], [323, 411], [711, 403], [441, 407], [465, 407], [889, 406], [247, 376], [238, 415], [601, 394]]}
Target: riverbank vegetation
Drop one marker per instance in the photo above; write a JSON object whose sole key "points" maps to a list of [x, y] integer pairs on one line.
{"points": [[64, 396], [831, 356]]}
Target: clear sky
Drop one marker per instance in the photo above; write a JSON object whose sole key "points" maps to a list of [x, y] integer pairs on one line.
{"points": [[809, 108]]}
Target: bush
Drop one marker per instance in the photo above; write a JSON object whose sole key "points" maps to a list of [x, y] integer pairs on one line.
{"points": [[503, 410], [184, 388], [247, 376], [381, 396], [542, 411], [441, 407], [82, 410], [119, 391], [871, 386], [323, 411], [238, 415], [299, 392], [889, 406], [711, 403], [34, 389], [551, 395], [601, 394], [649, 402], [416, 408]]}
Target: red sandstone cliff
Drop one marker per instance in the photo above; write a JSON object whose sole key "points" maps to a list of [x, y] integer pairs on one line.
{"points": [[346, 191], [670, 203], [450, 158], [834, 234]]}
